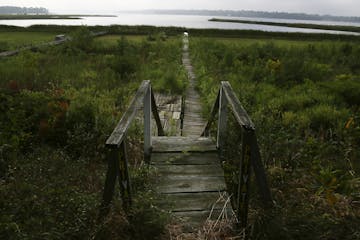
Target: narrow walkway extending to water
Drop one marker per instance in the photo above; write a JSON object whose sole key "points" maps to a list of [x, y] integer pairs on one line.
{"points": [[191, 179], [193, 122]]}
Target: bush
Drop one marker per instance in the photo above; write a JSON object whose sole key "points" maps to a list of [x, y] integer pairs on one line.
{"points": [[347, 87]]}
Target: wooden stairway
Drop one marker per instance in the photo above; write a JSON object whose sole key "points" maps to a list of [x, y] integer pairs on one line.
{"points": [[190, 176], [190, 179]]}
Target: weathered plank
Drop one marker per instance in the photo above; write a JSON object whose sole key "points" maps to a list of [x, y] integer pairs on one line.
{"points": [[187, 158], [190, 170], [182, 144], [193, 121], [239, 112], [186, 184], [118, 135]]}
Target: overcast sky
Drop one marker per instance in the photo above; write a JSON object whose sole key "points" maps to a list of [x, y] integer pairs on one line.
{"points": [[334, 7]]}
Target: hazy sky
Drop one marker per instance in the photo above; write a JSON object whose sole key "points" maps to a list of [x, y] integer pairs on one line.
{"points": [[334, 7]]}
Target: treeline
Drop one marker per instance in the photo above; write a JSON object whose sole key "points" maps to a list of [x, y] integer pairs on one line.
{"points": [[259, 14], [23, 10]]}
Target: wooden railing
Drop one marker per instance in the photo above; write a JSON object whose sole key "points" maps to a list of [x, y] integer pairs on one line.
{"points": [[117, 155], [250, 155]]}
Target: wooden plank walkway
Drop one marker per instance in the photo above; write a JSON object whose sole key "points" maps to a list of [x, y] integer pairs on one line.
{"points": [[190, 179], [193, 122], [190, 176]]}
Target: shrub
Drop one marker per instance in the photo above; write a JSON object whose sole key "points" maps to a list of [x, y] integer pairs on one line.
{"points": [[346, 87]]}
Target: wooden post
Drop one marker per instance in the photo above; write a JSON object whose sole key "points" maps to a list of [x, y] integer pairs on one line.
{"points": [[111, 175], [147, 125], [221, 134], [259, 171], [124, 179], [244, 178], [214, 111], [156, 115]]}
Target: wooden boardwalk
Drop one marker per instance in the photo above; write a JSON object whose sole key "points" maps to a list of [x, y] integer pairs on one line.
{"points": [[193, 122], [191, 179]]}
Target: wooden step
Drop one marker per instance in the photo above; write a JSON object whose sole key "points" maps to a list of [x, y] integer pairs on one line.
{"points": [[182, 144], [190, 170], [185, 158], [186, 184]]}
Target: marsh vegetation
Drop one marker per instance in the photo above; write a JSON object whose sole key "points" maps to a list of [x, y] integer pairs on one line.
{"points": [[59, 104]]}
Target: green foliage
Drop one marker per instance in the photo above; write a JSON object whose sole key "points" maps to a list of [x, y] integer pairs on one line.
{"points": [[346, 87], [42, 203], [81, 39], [303, 99], [58, 106], [4, 46]]}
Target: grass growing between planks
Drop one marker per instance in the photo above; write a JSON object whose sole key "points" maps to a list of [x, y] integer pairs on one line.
{"points": [[304, 101]]}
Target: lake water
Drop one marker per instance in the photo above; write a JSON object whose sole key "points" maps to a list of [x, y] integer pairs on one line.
{"points": [[188, 21]]}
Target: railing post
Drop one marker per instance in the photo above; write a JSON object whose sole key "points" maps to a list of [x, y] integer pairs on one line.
{"points": [[221, 133], [244, 178], [117, 168], [260, 174], [111, 175], [147, 125], [214, 111], [156, 115], [124, 179]]}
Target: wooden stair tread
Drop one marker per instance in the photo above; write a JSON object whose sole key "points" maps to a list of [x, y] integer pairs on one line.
{"points": [[184, 158], [182, 144]]}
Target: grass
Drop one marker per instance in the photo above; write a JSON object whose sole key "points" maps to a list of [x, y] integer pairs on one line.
{"points": [[59, 104], [112, 39], [248, 41], [302, 97], [13, 40]]}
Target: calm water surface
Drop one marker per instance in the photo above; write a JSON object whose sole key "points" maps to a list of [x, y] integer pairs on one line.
{"points": [[188, 21]]}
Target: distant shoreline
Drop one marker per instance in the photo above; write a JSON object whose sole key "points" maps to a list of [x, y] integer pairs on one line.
{"points": [[255, 14], [293, 25], [49, 17]]}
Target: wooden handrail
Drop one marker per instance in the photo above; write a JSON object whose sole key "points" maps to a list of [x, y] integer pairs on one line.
{"points": [[250, 149], [117, 156], [238, 110]]}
